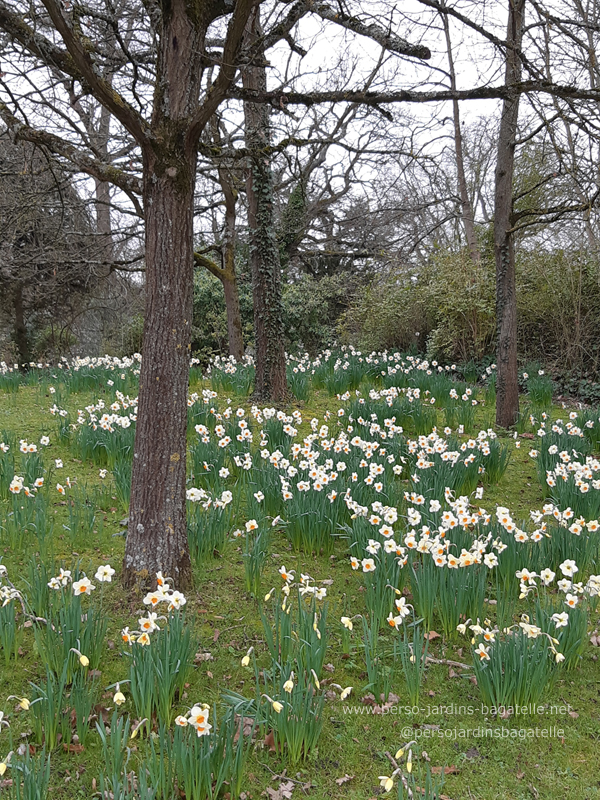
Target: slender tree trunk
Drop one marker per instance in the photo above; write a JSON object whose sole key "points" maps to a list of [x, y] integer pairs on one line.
{"points": [[234, 318], [507, 388], [229, 277], [21, 338], [466, 208], [271, 382]]}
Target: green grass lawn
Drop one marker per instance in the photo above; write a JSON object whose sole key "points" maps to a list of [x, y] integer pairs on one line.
{"points": [[545, 755]]}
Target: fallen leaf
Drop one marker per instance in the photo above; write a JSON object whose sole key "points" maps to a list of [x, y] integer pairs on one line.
{"points": [[520, 775], [284, 792], [73, 748], [452, 673], [433, 635], [245, 726], [269, 741], [216, 634], [445, 770], [573, 714], [344, 779], [203, 657], [369, 700]]}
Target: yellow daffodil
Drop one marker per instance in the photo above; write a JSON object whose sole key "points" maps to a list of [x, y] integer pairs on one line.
{"points": [[288, 686], [119, 697]]}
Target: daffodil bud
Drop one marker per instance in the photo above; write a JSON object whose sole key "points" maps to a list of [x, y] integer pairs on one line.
{"points": [[316, 680]]}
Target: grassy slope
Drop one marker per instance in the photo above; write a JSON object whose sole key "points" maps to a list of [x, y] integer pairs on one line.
{"points": [[227, 624]]}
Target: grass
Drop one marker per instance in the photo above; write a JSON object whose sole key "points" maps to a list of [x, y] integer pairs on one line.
{"points": [[227, 623]]}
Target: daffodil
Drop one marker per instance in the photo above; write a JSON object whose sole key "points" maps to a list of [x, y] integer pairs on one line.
{"points": [[483, 652], [23, 702], [119, 697], [386, 783], [288, 686]]}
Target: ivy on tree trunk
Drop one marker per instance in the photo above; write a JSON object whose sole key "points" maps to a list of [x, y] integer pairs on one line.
{"points": [[265, 267]]}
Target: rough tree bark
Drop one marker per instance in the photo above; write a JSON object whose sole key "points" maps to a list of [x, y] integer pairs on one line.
{"points": [[265, 267], [507, 388]]}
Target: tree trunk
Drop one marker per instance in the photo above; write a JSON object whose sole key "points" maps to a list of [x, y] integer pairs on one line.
{"points": [[157, 534], [234, 317], [507, 388], [271, 382], [21, 338], [466, 208], [157, 531], [229, 278]]}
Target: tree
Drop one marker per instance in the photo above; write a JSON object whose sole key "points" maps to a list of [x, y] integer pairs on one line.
{"points": [[270, 382], [507, 387], [466, 206], [48, 246], [168, 138], [227, 239]]}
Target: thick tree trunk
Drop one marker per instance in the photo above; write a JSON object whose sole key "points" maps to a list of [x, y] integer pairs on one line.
{"points": [[271, 382], [21, 338], [157, 535], [507, 387], [157, 531]]}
